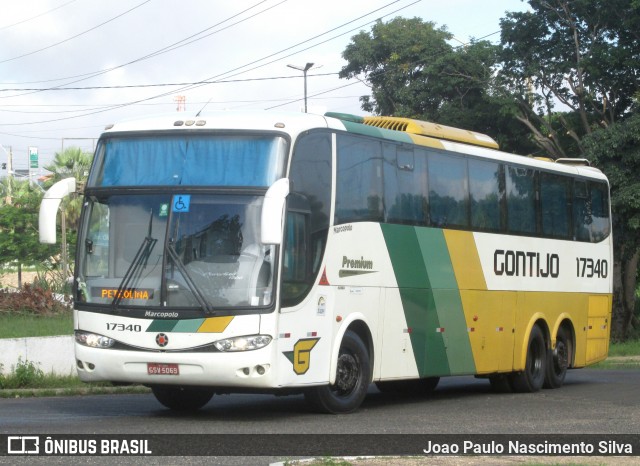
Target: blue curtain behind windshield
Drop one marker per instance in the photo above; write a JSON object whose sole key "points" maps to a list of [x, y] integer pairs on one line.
{"points": [[201, 161]]}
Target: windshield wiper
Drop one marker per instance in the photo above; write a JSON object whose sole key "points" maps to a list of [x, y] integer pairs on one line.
{"points": [[139, 263], [204, 305]]}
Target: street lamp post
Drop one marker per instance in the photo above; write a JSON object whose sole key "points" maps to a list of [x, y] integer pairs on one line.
{"points": [[304, 70]]}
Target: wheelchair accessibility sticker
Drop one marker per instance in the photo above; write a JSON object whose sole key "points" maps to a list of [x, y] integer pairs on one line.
{"points": [[181, 203]]}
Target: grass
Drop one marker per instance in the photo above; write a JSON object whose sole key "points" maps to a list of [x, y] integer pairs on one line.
{"points": [[626, 348], [26, 379], [29, 325]]}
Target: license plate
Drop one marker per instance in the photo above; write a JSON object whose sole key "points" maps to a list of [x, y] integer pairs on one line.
{"points": [[158, 368]]}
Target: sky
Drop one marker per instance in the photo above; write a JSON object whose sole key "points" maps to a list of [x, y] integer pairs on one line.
{"points": [[68, 68]]}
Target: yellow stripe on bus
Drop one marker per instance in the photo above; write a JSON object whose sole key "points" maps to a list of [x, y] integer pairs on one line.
{"points": [[215, 324], [465, 260]]}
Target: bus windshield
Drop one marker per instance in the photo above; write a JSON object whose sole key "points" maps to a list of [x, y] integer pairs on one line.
{"points": [[176, 251], [189, 160]]}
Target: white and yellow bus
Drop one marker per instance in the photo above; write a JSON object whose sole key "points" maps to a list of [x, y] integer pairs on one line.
{"points": [[296, 253]]}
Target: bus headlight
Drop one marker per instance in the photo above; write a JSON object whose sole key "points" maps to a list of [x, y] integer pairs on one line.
{"points": [[246, 343], [93, 340]]}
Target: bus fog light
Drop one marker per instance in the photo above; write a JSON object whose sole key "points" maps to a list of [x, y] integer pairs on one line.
{"points": [[94, 340], [245, 343], [260, 370]]}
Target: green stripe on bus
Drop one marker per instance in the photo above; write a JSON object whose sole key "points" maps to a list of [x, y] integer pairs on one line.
{"points": [[188, 325], [162, 325], [417, 298], [431, 300], [448, 303]]}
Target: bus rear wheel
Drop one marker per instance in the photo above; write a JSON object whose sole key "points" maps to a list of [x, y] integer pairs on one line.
{"points": [[558, 360], [182, 398], [532, 377], [353, 376]]}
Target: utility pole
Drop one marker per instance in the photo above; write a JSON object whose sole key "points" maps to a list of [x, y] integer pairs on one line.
{"points": [[304, 70]]}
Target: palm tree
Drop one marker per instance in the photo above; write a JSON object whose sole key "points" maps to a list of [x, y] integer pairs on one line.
{"points": [[72, 162]]}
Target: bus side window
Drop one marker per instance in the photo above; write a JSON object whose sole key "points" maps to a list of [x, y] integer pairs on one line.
{"points": [[405, 185], [448, 191], [309, 207], [599, 197], [581, 212], [590, 211], [555, 205], [359, 189], [521, 200], [295, 257], [486, 193]]}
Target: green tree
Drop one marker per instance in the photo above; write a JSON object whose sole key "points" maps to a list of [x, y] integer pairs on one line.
{"points": [[11, 187], [617, 150], [414, 72], [397, 60], [19, 240], [571, 66]]}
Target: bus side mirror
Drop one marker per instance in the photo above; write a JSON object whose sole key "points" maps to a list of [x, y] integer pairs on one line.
{"points": [[272, 220], [49, 208]]}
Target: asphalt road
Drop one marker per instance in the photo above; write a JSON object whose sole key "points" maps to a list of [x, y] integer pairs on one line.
{"points": [[591, 402]]}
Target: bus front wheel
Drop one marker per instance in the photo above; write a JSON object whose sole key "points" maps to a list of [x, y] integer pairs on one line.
{"points": [[532, 377], [353, 376], [182, 398]]}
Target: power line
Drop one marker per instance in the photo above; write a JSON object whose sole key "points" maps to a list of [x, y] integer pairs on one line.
{"points": [[166, 49], [154, 104], [74, 37], [209, 80], [129, 86]]}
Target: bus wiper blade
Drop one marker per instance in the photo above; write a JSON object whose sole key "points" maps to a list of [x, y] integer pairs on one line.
{"points": [[143, 254], [204, 305]]}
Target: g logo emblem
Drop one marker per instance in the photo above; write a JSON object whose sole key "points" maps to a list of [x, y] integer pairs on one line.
{"points": [[300, 356]]}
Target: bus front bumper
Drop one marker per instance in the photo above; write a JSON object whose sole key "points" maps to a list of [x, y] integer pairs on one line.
{"points": [[246, 369]]}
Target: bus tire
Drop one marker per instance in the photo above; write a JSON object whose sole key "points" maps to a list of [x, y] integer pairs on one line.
{"points": [[413, 386], [353, 376], [182, 398], [558, 360], [532, 377]]}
